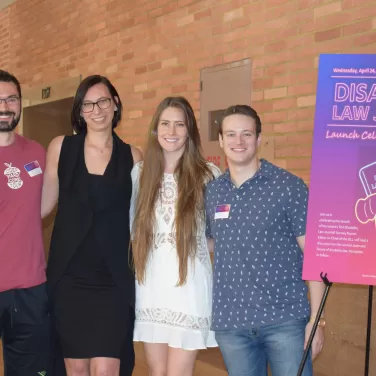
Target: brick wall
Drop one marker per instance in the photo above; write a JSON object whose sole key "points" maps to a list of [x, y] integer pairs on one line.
{"points": [[151, 49], [4, 37]]}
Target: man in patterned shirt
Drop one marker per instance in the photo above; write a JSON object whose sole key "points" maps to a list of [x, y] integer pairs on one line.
{"points": [[256, 214]]}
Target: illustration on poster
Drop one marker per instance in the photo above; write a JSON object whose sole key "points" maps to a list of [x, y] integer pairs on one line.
{"points": [[365, 208]]}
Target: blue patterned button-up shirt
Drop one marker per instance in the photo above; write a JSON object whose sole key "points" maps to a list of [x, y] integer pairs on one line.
{"points": [[258, 262]]}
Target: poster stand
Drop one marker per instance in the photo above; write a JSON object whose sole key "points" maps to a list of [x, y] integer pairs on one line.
{"points": [[369, 323], [328, 285]]}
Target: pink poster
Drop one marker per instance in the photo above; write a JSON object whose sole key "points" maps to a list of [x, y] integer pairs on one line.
{"points": [[341, 228]]}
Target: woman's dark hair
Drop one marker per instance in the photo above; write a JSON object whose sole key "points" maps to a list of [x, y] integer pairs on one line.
{"points": [[7, 77], [78, 122]]}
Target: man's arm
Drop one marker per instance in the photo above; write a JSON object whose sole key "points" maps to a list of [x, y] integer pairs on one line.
{"points": [[316, 292]]}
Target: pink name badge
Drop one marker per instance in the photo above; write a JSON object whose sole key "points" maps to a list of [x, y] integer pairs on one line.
{"points": [[222, 211], [33, 168]]}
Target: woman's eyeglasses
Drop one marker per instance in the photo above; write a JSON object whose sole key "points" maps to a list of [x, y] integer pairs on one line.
{"points": [[102, 104]]}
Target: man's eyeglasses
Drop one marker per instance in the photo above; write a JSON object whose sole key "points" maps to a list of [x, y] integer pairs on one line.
{"points": [[10, 100], [102, 104]]}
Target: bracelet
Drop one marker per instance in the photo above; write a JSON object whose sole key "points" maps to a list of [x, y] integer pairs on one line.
{"points": [[321, 323]]}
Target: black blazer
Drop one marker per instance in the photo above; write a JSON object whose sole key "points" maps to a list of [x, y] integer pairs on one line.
{"points": [[74, 214]]}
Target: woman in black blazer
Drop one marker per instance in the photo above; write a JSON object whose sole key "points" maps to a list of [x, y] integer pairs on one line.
{"points": [[90, 282]]}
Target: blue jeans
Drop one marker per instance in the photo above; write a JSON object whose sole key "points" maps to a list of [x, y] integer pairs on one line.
{"points": [[247, 352]]}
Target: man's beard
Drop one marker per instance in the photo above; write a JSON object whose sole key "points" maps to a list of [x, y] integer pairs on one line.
{"points": [[5, 126]]}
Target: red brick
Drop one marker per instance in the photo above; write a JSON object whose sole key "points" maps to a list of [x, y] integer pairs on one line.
{"points": [[258, 73], [300, 138], [179, 89], [276, 46], [328, 34], [151, 4], [366, 49], [285, 103], [332, 21], [162, 2], [156, 12], [228, 58], [154, 66], [183, 3], [127, 56], [101, 25], [334, 45], [348, 4], [196, 7], [140, 70], [302, 16], [274, 3], [285, 80], [369, 38], [257, 96], [233, 14], [280, 163], [262, 83], [202, 14], [297, 90], [178, 70], [299, 41], [357, 27], [293, 151], [240, 22], [264, 107], [273, 70], [304, 76], [304, 4], [254, 7], [301, 114], [279, 58], [298, 163], [363, 12], [239, 44], [289, 7], [275, 116], [324, 10], [149, 94]]}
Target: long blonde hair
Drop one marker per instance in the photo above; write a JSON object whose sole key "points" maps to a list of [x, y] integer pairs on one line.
{"points": [[191, 174]]}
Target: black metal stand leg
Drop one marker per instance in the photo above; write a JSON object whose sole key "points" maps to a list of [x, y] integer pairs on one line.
{"points": [[369, 323], [316, 323]]}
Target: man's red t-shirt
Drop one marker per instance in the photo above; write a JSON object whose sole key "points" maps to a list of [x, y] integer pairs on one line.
{"points": [[22, 260]]}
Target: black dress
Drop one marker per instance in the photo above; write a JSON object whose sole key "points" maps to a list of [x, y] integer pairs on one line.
{"points": [[91, 284]]}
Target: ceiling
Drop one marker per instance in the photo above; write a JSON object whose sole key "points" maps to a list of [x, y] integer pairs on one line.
{"points": [[5, 3]]}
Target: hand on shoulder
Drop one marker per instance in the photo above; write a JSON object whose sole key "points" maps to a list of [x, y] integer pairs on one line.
{"points": [[214, 169], [137, 155]]}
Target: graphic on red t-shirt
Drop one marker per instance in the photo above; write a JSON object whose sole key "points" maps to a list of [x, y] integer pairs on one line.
{"points": [[13, 175]]}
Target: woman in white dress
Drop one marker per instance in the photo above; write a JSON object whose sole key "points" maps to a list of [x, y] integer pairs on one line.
{"points": [[170, 252]]}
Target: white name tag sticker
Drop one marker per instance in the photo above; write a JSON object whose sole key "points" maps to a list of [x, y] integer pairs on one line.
{"points": [[222, 211], [33, 168]]}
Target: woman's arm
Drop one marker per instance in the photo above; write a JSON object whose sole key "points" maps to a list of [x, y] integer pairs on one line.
{"points": [[50, 191]]}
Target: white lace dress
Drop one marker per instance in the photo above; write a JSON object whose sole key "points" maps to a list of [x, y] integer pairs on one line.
{"points": [[179, 316]]}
